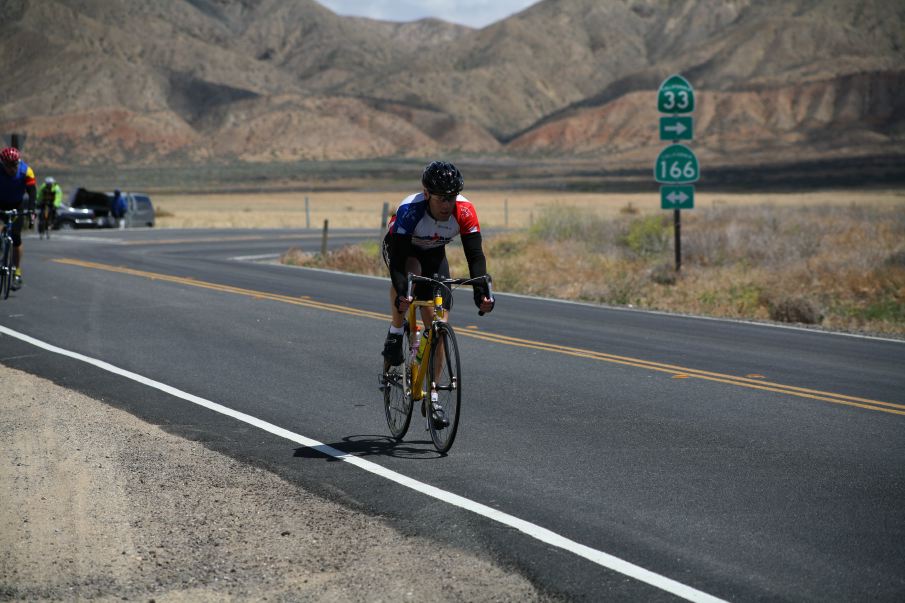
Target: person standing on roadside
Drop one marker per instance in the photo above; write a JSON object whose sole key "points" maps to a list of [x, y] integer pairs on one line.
{"points": [[17, 191], [119, 208]]}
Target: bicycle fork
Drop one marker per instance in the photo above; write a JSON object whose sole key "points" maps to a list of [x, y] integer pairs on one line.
{"points": [[419, 369]]}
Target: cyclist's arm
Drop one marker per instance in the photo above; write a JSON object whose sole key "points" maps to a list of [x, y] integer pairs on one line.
{"points": [[57, 196], [31, 190], [400, 246], [32, 193], [477, 263]]}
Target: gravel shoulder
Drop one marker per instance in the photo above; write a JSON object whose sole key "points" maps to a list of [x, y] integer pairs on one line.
{"points": [[99, 505]]}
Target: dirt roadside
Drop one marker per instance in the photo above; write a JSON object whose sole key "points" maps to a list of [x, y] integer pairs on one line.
{"points": [[99, 505]]}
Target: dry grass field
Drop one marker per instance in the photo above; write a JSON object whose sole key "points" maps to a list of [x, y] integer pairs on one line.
{"points": [[839, 266], [496, 208], [834, 259]]}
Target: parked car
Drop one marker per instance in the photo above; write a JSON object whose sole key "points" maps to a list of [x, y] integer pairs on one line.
{"points": [[93, 209], [69, 217]]}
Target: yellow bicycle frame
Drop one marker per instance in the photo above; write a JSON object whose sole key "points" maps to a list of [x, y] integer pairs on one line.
{"points": [[419, 371]]}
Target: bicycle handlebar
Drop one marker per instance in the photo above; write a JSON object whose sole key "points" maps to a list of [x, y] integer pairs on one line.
{"points": [[447, 282]]}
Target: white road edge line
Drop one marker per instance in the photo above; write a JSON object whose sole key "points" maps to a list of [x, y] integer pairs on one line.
{"points": [[544, 535], [255, 258]]}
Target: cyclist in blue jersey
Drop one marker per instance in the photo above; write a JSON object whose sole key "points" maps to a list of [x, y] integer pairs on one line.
{"points": [[17, 191], [416, 242]]}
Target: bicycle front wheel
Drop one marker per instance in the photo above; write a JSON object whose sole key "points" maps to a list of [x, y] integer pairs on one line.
{"points": [[6, 272], [397, 391], [443, 420]]}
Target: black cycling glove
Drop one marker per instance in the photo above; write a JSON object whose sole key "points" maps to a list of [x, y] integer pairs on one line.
{"points": [[480, 292]]}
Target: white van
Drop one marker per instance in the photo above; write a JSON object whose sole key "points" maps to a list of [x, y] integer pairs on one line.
{"points": [[139, 211]]}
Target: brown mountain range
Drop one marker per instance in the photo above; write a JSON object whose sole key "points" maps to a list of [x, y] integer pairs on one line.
{"points": [[281, 80]]}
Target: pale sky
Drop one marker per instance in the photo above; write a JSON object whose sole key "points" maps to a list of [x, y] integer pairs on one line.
{"points": [[474, 13]]}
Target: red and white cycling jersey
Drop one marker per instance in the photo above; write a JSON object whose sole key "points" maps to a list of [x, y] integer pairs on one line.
{"points": [[413, 218]]}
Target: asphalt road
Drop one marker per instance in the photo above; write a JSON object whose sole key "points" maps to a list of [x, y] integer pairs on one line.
{"points": [[735, 460]]}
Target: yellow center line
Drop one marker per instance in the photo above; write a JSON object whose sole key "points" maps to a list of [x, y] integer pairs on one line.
{"points": [[675, 370], [701, 374]]}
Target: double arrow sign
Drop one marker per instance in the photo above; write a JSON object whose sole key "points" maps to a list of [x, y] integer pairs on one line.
{"points": [[677, 197]]}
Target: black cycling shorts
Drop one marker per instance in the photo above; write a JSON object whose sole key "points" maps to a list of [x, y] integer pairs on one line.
{"points": [[433, 261]]}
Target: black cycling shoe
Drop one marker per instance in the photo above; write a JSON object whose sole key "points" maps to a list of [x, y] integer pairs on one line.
{"points": [[16, 283], [392, 348], [439, 417]]}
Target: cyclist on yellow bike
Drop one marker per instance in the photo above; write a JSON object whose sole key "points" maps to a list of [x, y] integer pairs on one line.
{"points": [[16, 181], [416, 242]]}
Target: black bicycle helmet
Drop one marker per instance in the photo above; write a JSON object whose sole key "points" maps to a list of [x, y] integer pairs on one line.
{"points": [[442, 178]]}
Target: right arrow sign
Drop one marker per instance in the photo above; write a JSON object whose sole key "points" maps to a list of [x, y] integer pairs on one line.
{"points": [[676, 197], [676, 128]]}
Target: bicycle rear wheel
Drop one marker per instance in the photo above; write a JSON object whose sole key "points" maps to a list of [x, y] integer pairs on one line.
{"points": [[444, 368], [43, 223], [397, 391]]}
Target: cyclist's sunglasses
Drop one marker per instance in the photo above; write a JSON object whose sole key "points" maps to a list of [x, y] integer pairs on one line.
{"points": [[445, 198]]}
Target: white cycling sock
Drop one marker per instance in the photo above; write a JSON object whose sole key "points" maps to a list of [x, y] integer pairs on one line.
{"points": [[396, 330]]}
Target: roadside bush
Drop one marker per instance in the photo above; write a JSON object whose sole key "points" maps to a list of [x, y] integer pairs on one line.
{"points": [[896, 259], [565, 223], [796, 309], [648, 236], [663, 274]]}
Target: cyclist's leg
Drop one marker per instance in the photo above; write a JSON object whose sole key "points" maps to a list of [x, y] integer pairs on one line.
{"points": [[17, 247], [413, 265], [392, 346]]}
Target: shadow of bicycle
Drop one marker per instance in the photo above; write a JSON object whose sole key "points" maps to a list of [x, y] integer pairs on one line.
{"points": [[371, 445]]}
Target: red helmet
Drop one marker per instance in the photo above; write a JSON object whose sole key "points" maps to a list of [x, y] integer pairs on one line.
{"points": [[10, 156]]}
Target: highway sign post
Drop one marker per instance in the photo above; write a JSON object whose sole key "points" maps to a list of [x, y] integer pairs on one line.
{"points": [[676, 166], [14, 140]]}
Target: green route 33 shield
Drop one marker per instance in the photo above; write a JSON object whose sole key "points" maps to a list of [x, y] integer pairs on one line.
{"points": [[675, 95], [676, 164]]}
